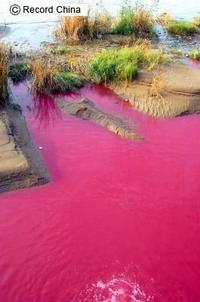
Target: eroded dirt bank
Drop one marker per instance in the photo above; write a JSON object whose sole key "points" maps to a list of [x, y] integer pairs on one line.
{"points": [[169, 92], [20, 162]]}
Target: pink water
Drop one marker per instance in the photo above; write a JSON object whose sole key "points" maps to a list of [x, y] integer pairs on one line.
{"points": [[120, 220]]}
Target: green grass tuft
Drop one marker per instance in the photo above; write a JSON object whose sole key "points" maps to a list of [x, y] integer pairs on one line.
{"points": [[103, 67], [125, 23], [18, 71], [66, 81], [124, 64], [127, 72]]}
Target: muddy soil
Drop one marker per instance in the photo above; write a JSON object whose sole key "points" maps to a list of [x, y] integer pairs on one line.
{"points": [[86, 110]]}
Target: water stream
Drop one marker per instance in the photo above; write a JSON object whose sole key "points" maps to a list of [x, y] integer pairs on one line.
{"points": [[120, 220]]}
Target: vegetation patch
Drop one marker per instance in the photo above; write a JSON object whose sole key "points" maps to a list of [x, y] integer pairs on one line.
{"points": [[79, 28], [18, 71], [179, 27], [66, 81], [124, 64], [131, 21], [3, 74], [182, 28], [125, 23], [138, 22], [195, 54], [47, 79]]}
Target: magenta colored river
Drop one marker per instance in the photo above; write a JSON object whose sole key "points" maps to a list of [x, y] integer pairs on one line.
{"points": [[120, 220]]}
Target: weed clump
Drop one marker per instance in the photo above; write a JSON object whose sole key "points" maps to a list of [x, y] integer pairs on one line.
{"points": [[3, 74], [195, 54], [138, 22], [46, 79], [124, 64], [18, 71], [125, 23]]}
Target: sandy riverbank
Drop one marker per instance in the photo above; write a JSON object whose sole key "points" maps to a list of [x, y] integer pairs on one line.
{"points": [[21, 164]]}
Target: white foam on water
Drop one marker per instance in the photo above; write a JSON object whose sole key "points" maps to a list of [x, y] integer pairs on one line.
{"points": [[117, 289]]}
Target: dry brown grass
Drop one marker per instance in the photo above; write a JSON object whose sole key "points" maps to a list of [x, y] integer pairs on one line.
{"points": [[78, 28], [3, 73], [165, 19], [101, 24], [144, 22], [77, 64], [156, 86], [42, 75], [47, 78], [73, 28]]}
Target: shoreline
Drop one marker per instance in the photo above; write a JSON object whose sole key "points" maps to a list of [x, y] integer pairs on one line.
{"points": [[33, 171]]}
